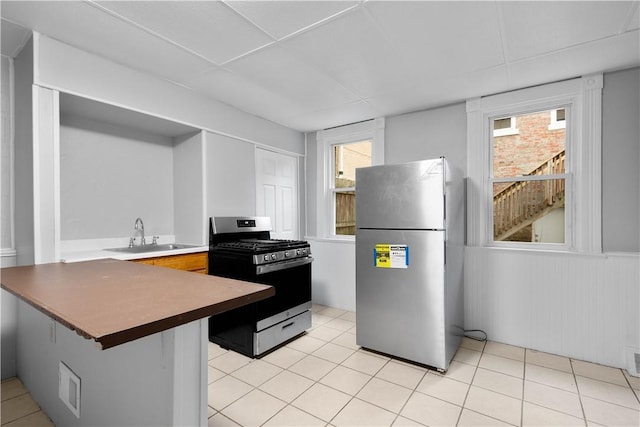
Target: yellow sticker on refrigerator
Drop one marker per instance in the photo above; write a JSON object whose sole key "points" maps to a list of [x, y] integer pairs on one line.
{"points": [[386, 255]]}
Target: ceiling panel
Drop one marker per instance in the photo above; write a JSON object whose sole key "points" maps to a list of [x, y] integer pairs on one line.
{"points": [[244, 94], [208, 28], [317, 64], [634, 18], [442, 37], [353, 51], [281, 18], [335, 116], [611, 53], [292, 78], [444, 90], [13, 38], [86, 27], [535, 28]]}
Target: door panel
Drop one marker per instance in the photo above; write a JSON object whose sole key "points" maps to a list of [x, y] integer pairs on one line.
{"points": [[409, 196], [400, 311], [277, 192]]}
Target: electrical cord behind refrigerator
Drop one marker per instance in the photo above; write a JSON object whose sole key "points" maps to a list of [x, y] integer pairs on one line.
{"points": [[476, 338]]}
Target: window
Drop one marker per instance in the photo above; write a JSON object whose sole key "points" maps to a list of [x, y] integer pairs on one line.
{"points": [[340, 152], [558, 120], [346, 158], [529, 181], [539, 188], [504, 126]]}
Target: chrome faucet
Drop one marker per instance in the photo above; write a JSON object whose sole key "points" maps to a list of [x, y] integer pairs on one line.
{"points": [[138, 229]]}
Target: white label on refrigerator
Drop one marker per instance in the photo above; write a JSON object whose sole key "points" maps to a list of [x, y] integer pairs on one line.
{"points": [[386, 255]]}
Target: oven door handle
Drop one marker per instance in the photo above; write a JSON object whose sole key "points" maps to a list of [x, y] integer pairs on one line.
{"points": [[277, 266]]}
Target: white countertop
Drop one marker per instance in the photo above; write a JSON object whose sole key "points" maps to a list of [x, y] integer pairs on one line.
{"points": [[89, 250], [77, 256]]}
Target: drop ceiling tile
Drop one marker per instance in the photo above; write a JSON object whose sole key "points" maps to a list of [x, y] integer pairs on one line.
{"points": [[245, 95], [634, 18], [337, 115], [13, 38], [442, 91], [281, 18], [535, 28], [86, 27], [209, 28], [353, 51], [280, 72], [613, 53], [442, 37]]}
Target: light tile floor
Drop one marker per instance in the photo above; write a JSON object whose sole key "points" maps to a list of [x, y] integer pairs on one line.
{"points": [[18, 408], [324, 379]]}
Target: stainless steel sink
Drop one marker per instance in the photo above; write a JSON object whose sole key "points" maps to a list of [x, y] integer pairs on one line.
{"points": [[152, 248]]}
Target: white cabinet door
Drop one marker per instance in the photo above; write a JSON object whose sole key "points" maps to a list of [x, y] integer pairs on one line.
{"points": [[277, 192]]}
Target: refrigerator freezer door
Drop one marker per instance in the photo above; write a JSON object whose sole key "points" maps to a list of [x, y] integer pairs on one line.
{"points": [[406, 196], [400, 311]]}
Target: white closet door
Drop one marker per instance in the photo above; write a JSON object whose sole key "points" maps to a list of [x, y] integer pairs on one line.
{"points": [[277, 192]]}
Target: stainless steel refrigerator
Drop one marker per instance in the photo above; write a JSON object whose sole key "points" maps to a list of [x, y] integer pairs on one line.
{"points": [[409, 256]]}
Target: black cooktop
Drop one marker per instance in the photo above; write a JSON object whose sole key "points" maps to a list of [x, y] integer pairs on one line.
{"points": [[257, 246]]}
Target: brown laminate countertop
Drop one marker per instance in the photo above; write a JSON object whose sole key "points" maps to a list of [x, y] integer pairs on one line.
{"points": [[114, 302]]}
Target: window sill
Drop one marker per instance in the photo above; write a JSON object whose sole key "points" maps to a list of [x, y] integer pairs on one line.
{"points": [[346, 239], [538, 251]]}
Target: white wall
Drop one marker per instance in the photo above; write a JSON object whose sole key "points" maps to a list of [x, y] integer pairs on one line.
{"points": [[579, 306], [427, 135], [7, 251], [333, 273], [188, 190], [231, 177], [23, 156], [6, 155], [621, 161], [109, 176]]}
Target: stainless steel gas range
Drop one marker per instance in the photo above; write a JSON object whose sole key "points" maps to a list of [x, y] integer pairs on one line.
{"points": [[241, 248]]}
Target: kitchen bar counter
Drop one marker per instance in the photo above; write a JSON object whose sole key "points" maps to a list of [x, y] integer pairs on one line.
{"points": [[114, 302], [150, 364]]}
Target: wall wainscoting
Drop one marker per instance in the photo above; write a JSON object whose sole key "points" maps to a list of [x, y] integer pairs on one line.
{"points": [[575, 305]]}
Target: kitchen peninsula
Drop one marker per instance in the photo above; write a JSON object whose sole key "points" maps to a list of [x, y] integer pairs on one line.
{"points": [[140, 340]]}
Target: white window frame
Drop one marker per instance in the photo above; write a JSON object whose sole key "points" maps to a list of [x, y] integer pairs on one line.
{"points": [[327, 139], [554, 124], [583, 100], [511, 130]]}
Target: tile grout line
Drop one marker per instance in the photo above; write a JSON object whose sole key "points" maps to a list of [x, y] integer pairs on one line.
{"points": [[484, 344], [630, 386], [353, 396], [584, 414], [413, 391], [287, 369]]}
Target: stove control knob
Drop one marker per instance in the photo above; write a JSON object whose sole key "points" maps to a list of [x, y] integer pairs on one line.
{"points": [[286, 254], [274, 256], [266, 257], [299, 252]]}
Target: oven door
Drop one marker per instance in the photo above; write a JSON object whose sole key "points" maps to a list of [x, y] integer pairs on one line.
{"points": [[292, 283], [291, 280]]}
